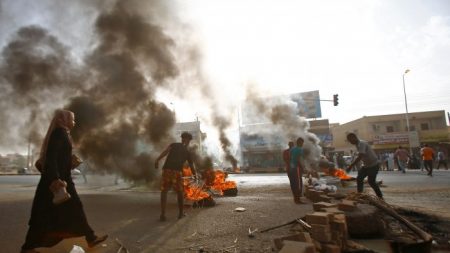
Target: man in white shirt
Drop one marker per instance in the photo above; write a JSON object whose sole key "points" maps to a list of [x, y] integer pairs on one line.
{"points": [[402, 156], [371, 164]]}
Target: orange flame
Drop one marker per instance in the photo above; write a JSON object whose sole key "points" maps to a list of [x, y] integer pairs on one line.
{"points": [[340, 173], [191, 191], [216, 180]]}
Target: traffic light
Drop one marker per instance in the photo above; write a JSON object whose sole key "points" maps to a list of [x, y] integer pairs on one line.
{"points": [[335, 99]]}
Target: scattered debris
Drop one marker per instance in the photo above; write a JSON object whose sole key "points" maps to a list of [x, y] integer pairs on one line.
{"points": [[122, 248], [251, 233], [77, 249], [299, 221], [240, 209]]}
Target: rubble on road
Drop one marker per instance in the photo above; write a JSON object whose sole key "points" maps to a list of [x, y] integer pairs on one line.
{"points": [[338, 217]]}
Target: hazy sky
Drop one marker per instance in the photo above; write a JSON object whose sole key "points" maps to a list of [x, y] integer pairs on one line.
{"points": [[358, 49]]}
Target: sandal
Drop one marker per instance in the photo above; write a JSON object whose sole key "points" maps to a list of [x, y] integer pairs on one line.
{"points": [[97, 241]]}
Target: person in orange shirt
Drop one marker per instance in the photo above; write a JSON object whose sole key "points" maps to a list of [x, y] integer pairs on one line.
{"points": [[427, 157]]}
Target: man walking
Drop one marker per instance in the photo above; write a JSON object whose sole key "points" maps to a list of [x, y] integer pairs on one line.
{"points": [[442, 159], [369, 169], [296, 169], [402, 156], [427, 154], [177, 154]]}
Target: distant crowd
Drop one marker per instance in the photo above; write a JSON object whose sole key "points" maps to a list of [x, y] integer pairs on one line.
{"points": [[423, 158]]}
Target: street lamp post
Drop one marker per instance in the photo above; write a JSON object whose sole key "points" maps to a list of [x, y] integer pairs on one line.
{"points": [[407, 117]]}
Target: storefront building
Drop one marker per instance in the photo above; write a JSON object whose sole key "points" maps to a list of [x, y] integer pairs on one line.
{"points": [[387, 132]]}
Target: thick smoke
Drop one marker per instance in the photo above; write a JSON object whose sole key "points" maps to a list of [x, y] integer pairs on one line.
{"points": [[125, 122], [120, 124], [36, 72], [222, 124], [284, 116]]}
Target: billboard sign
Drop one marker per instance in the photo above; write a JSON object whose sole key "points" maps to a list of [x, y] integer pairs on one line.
{"points": [[307, 104], [397, 138]]}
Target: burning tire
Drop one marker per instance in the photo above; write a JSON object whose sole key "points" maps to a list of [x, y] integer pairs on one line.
{"points": [[232, 192], [206, 202]]}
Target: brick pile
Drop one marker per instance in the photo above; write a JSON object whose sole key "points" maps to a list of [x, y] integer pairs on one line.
{"points": [[316, 196], [329, 229]]}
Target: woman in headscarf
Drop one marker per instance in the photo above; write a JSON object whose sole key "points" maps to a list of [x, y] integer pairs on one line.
{"points": [[50, 223]]}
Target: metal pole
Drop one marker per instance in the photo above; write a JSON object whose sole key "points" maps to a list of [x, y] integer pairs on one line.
{"points": [[407, 117]]}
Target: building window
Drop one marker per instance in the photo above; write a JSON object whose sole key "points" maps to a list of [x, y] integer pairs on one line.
{"points": [[375, 127], [424, 126], [412, 128], [389, 129]]}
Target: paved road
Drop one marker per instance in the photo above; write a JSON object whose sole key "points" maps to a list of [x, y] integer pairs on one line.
{"points": [[412, 178], [131, 213]]}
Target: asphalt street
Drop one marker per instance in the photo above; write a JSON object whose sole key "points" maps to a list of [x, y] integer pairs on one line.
{"points": [[130, 213]]}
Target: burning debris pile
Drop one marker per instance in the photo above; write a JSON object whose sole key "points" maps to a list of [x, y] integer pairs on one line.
{"points": [[216, 181], [194, 191], [340, 173], [200, 191]]}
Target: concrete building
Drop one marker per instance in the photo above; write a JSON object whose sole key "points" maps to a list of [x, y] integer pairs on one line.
{"points": [[321, 128], [193, 128], [386, 132], [262, 149]]}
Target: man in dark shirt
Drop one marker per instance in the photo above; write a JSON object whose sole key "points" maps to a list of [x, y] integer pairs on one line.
{"points": [[292, 180], [296, 170], [177, 154]]}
